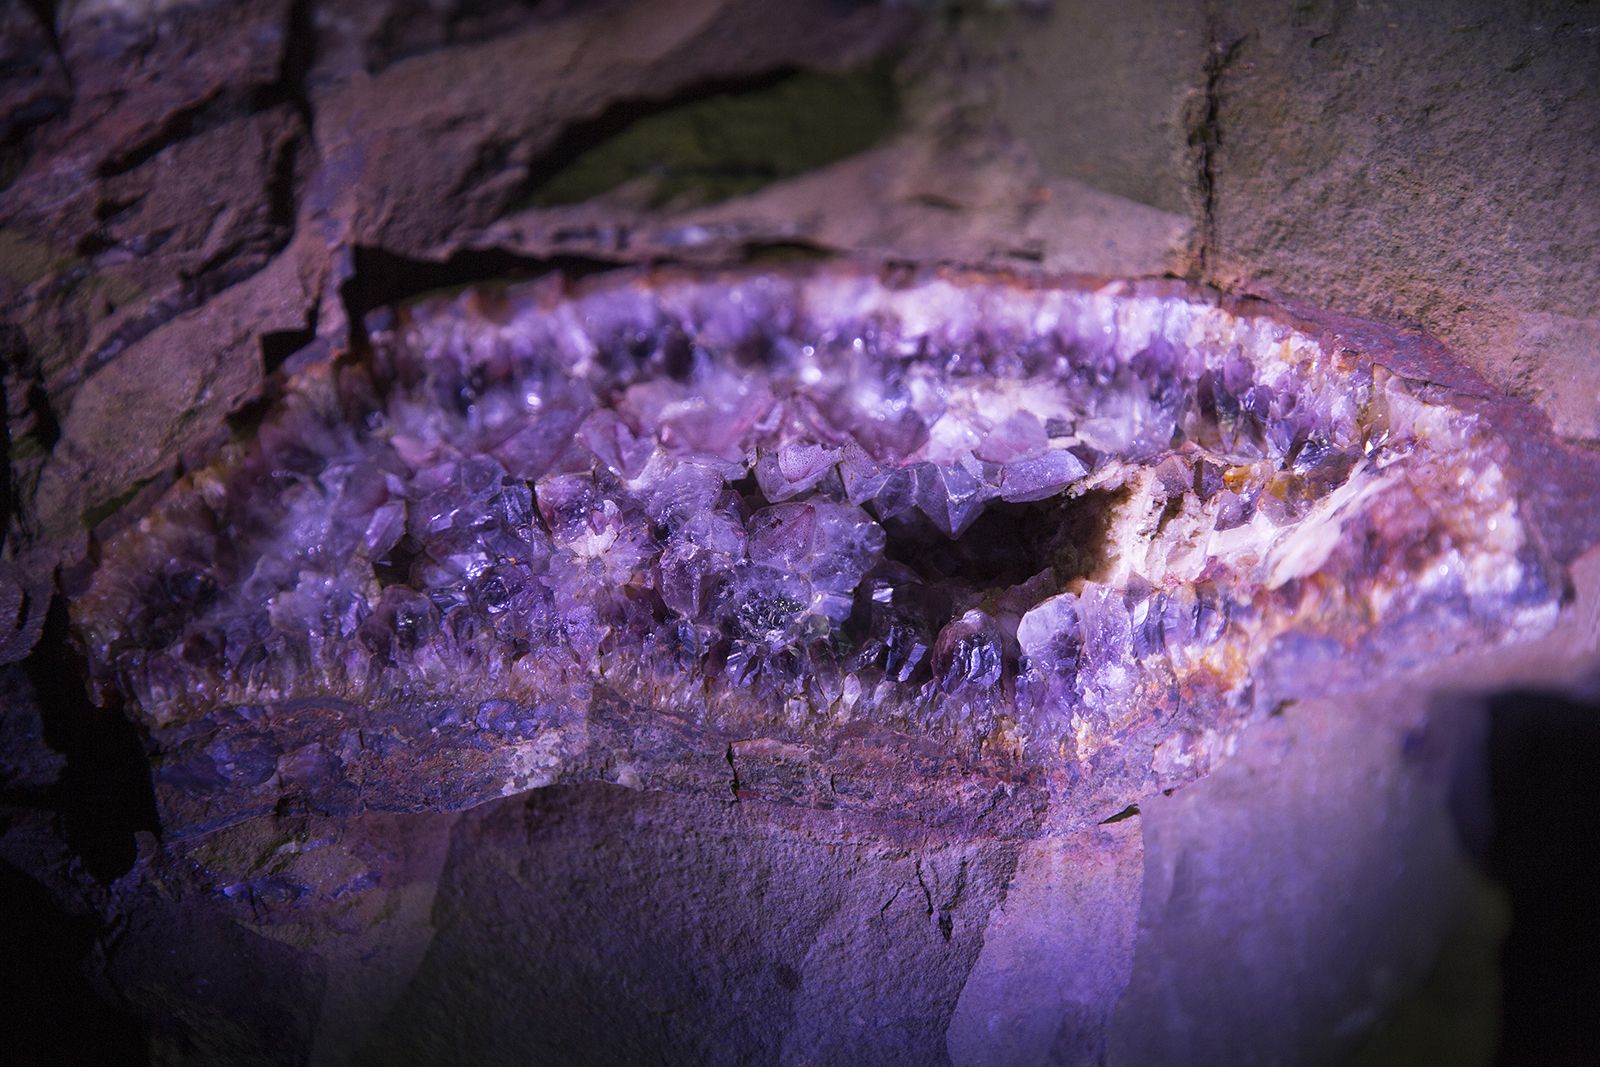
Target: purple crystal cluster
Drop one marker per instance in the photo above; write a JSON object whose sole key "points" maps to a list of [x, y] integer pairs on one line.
{"points": [[1029, 521]]}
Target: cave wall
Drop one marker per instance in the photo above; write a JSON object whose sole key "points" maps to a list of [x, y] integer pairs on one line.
{"points": [[194, 193], [1428, 165], [1432, 165]]}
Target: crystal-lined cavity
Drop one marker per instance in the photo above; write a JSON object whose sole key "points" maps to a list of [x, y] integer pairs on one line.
{"points": [[1026, 521]]}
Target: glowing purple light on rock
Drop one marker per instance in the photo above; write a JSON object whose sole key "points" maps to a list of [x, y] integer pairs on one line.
{"points": [[1017, 527]]}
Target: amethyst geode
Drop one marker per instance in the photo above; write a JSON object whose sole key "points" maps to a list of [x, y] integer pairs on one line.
{"points": [[932, 546]]}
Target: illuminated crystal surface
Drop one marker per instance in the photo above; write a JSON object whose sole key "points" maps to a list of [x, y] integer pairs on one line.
{"points": [[920, 543]]}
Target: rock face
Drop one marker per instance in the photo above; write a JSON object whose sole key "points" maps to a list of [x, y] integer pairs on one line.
{"points": [[1413, 164], [629, 532], [599, 924]]}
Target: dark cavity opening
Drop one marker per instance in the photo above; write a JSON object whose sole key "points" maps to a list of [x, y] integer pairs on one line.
{"points": [[1010, 543], [383, 280], [718, 139], [1543, 749], [105, 791]]}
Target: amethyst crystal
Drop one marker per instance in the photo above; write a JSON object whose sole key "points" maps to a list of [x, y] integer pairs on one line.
{"points": [[861, 530]]}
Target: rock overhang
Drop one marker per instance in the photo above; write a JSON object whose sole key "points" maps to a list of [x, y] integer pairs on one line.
{"points": [[932, 546]]}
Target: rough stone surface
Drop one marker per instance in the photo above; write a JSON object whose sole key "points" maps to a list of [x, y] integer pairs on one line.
{"points": [[164, 399], [916, 198], [1462, 207], [24, 599], [1108, 102], [1281, 855], [1056, 955], [728, 937], [592, 924], [304, 144], [1427, 164], [1433, 168]]}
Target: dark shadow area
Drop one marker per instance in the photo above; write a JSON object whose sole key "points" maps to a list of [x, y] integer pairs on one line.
{"points": [[9, 337], [104, 796], [720, 139], [32, 53], [1544, 758], [33, 428], [52, 1014], [418, 27], [1010, 543], [383, 278]]}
